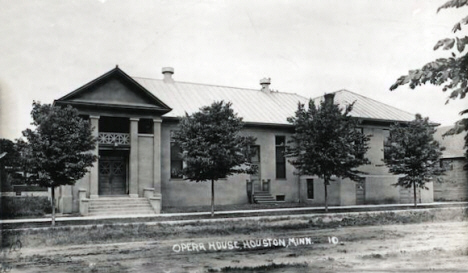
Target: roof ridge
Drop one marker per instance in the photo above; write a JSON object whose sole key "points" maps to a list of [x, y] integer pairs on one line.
{"points": [[217, 85], [366, 97], [377, 101]]}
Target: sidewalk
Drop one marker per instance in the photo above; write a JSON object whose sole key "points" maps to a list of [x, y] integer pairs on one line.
{"points": [[331, 209]]}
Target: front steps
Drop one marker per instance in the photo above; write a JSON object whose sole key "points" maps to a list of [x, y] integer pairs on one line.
{"points": [[263, 197], [119, 206]]}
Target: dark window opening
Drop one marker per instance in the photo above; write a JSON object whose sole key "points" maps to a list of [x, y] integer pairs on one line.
{"points": [[386, 135], [280, 197], [114, 125], [446, 164], [280, 159], [360, 130], [145, 126], [310, 189], [176, 159], [84, 117]]}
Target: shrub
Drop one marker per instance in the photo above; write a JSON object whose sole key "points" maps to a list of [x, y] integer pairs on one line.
{"points": [[12, 207]]}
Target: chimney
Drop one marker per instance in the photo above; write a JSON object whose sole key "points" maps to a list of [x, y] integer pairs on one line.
{"points": [[329, 98], [167, 72], [265, 83]]}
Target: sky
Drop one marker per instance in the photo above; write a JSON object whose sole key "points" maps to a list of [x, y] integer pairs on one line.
{"points": [[309, 47]]}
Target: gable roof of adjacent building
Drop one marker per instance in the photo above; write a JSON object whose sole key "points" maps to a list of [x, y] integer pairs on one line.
{"points": [[257, 106], [454, 144], [367, 108]]}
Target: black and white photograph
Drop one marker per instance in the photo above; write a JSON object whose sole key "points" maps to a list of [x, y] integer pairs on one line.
{"points": [[194, 136]]}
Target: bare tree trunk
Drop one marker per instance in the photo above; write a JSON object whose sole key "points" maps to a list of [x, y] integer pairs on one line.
{"points": [[212, 197], [414, 194], [326, 195], [53, 205]]}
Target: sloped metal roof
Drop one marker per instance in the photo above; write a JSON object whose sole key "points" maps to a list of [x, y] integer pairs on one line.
{"points": [[368, 108], [256, 106], [453, 144]]}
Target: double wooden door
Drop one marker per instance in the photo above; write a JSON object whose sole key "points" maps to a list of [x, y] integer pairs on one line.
{"points": [[112, 175]]}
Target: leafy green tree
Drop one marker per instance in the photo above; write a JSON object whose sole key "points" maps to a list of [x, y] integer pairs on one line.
{"points": [[9, 160], [450, 73], [211, 144], [326, 142], [411, 151], [58, 150]]}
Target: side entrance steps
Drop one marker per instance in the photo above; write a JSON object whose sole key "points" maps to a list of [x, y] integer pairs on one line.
{"points": [[263, 197], [120, 206]]}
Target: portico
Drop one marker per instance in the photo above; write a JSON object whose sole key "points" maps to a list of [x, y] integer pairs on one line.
{"points": [[126, 121]]}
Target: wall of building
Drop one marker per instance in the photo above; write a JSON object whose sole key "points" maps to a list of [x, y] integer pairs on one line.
{"points": [[232, 190], [427, 196], [334, 194], [381, 190], [82, 183], [145, 162], [347, 192], [455, 182], [375, 154]]}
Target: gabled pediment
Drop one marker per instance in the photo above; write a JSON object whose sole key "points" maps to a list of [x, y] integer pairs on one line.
{"points": [[115, 89]]}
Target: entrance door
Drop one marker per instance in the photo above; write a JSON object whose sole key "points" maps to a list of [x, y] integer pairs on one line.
{"points": [[112, 175], [255, 178]]}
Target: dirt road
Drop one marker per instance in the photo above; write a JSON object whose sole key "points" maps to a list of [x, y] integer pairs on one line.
{"points": [[428, 247]]}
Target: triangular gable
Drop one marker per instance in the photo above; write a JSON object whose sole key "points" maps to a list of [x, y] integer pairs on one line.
{"points": [[115, 89]]}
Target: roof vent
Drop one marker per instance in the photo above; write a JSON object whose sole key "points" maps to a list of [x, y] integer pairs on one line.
{"points": [[167, 72], [265, 83]]}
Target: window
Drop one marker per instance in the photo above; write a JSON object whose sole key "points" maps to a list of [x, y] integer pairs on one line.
{"points": [[446, 164], [360, 130], [386, 135], [176, 159], [280, 198], [145, 126], [280, 159], [310, 189], [114, 125]]}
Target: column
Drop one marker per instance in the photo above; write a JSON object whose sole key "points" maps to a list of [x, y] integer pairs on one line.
{"points": [[157, 156], [94, 172], [133, 157]]}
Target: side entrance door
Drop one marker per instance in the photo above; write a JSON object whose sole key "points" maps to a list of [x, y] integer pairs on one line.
{"points": [[112, 175], [255, 178]]}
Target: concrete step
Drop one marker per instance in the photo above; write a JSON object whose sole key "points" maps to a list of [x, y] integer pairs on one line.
{"points": [[129, 212], [118, 203], [117, 200], [264, 197], [119, 206], [93, 208], [261, 193], [264, 201], [122, 210]]}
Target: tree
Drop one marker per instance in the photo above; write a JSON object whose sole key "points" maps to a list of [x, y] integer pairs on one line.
{"points": [[9, 159], [451, 73], [326, 142], [411, 151], [211, 144], [59, 148]]}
